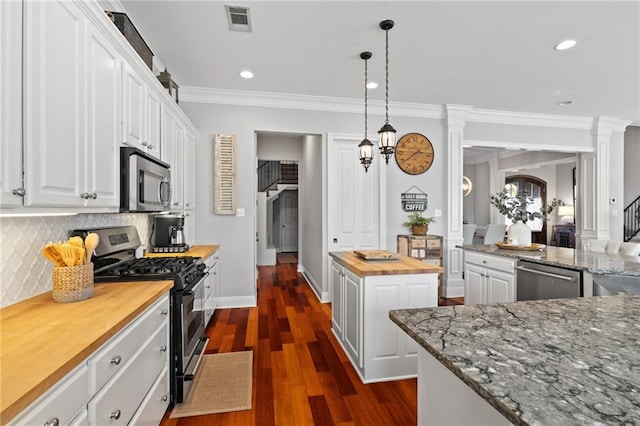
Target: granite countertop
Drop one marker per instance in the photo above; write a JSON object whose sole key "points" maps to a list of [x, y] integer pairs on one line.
{"points": [[563, 361], [596, 263]]}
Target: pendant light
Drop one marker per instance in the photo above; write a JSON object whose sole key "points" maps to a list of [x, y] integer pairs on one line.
{"points": [[365, 147], [386, 134]]}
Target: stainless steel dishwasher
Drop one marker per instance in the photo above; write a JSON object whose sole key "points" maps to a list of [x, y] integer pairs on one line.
{"points": [[537, 281]]}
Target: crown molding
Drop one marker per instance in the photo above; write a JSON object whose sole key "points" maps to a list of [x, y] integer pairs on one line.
{"points": [[304, 102], [399, 109], [530, 119]]}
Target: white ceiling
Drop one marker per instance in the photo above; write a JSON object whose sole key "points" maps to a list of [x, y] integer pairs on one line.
{"points": [[491, 55]]}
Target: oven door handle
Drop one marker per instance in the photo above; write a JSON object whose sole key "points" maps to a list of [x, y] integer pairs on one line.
{"points": [[199, 352]]}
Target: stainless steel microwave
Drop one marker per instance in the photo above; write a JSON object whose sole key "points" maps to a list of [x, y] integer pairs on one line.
{"points": [[145, 182]]}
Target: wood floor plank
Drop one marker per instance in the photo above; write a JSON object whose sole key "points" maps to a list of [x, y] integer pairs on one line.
{"points": [[301, 375]]}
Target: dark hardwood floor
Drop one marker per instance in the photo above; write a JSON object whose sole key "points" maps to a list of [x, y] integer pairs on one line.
{"points": [[301, 376]]}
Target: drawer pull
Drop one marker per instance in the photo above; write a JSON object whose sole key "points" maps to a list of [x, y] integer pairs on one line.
{"points": [[484, 261], [164, 312], [116, 360], [164, 398], [115, 415], [163, 348], [53, 422]]}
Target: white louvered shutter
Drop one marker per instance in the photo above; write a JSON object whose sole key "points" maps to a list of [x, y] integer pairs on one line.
{"points": [[225, 174]]}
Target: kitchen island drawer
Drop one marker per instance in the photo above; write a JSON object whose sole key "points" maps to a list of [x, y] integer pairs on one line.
{"points": [[61, 404], [495, 262], [120, 398], [119, 350]]}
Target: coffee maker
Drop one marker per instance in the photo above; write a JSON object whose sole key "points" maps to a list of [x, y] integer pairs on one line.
{"points": [[168, 234]]}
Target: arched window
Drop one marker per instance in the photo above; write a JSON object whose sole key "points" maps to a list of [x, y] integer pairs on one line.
{"points": [[536, 188]]}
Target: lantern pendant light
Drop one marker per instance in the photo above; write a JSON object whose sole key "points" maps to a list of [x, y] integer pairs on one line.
{"points": [[386, 134], [365, 147]]}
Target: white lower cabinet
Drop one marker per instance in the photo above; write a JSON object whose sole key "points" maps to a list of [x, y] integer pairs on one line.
{"points": [[211, 288], [347, 307], [126, 381], [488, 279], [61, 404], [378, 349]]}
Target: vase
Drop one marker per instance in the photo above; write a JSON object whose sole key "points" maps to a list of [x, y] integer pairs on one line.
{"points": [[519, 234], [419, 230]]}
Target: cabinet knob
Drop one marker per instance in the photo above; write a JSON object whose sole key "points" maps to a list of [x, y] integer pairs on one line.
{"points": [[484, 261], [176, 203], [94, 195], [163, 348], [19, 192], [164, 312], [150, 146], [164, 398], [116, 360], [53, 422], [144, 143], [115, 415], [84, 195], [188, 206]]}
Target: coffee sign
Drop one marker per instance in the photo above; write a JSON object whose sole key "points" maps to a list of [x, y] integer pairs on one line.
{"points": [[414, 201]]}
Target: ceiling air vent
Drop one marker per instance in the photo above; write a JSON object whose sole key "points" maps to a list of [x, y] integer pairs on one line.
{"points": [[239, 19]]}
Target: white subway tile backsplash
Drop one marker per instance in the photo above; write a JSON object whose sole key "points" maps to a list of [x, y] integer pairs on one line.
{"points": [[24, 272]]}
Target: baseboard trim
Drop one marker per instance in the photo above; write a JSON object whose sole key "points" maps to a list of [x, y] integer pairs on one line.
{"points": [[237, 302], [323, 297]]}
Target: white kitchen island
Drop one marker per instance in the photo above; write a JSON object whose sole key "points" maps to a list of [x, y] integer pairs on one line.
{"points": [[363, 293]]}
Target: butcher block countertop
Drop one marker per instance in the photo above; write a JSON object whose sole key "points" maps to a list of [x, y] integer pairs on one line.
{"points": [[42, 340], [363, 268], [196, 251]]}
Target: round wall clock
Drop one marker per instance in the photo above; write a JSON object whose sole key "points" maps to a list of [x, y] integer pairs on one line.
{"points": [[414, 153]]}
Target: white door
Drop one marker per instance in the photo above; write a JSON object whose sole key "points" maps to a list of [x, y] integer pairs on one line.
{"points": [[177, 168], [189, 163], [10, 103], [289, 221], [54, 78], [354, 199], [337, 291]]}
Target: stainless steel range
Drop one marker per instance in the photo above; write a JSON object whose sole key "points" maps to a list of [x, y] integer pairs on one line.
{"points": [[114, 261]]}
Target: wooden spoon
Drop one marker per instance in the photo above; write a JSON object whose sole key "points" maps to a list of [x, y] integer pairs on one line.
{"points": [[90, 244]]}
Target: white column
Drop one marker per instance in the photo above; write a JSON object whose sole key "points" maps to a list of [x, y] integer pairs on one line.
{"points": [[496, 184], [456, 116]]}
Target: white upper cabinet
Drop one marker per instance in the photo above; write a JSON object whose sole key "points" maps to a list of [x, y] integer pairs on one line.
{"points": [[73, 91], [10, 104], [103, 123], [189, 171], [54, 127], [72, 119], [141, 113], [177, 168]]}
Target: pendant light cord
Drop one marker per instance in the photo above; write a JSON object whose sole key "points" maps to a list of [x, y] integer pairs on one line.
{"points": [[386, 84], [365, 98]]}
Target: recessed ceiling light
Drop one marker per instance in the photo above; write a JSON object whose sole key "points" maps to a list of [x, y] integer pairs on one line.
{"points": [[372, 85], [564, 103], [246, 74], [565, 44]]}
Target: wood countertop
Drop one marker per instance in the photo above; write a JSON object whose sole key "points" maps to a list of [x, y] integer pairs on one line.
{"points": [[363, 268], [204, 251], [42, 340]]}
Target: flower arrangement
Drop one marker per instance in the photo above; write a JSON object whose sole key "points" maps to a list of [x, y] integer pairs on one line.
{"points": [[515, 207]]}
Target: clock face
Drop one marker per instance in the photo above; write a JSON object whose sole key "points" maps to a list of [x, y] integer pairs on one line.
{"points": [[414, 153]]}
